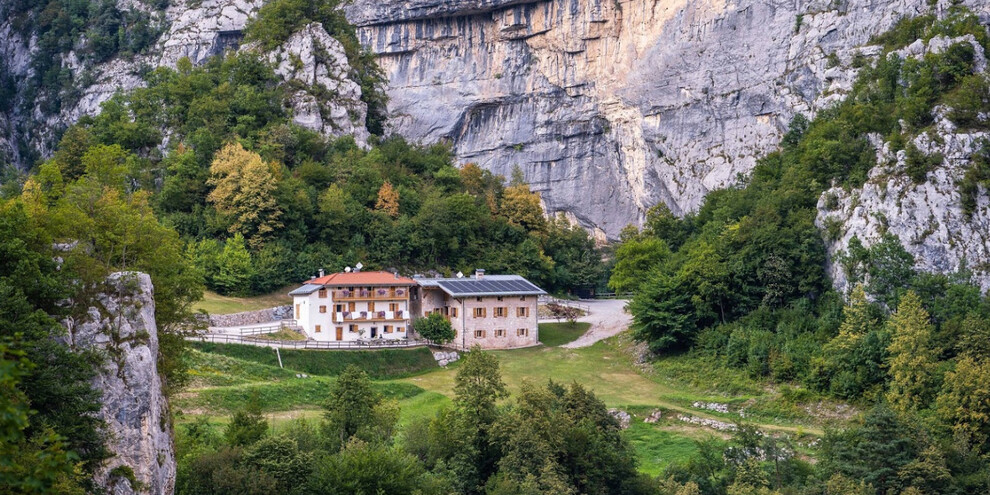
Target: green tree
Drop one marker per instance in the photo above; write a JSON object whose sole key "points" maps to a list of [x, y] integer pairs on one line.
{"points": [[964, 402], [478, 386], [913, 357], [635, 259], [247, 426], [873, 452], [367, 468], [234, 267], [664, 314], [435, 328], [354, 409]]}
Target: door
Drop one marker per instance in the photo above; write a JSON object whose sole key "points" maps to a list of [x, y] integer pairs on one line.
{"points": [[374, 332], [340, 333]]}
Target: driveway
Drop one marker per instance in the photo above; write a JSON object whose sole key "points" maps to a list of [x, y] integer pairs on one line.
{"points": [[607, 317]]}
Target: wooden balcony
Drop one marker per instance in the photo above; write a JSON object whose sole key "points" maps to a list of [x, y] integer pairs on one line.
{"points": [[359, 316], [371, 295]]}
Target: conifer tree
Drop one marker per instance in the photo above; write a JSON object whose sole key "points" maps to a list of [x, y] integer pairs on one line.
{"points": [[912, 356]]}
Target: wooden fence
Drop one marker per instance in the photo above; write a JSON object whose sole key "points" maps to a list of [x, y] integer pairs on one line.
{"points": [[287, 324], [309, 344]]}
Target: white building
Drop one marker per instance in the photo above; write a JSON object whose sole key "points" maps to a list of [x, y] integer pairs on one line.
{"points": [[354, 305]]}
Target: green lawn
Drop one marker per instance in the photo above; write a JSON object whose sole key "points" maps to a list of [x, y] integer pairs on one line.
{"points": [[557, 334], [225, 376], [214, 303]]}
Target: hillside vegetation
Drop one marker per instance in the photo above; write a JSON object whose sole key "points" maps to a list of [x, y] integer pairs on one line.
{"points": [[742, 283]]}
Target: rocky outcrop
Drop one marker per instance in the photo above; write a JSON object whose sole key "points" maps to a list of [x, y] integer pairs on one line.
{"points": [[139, 430], [612, 106], [325, 100], [927, 217]]}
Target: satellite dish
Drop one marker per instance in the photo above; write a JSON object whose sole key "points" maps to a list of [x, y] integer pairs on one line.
{"points": [[348, 269], [460, 275], [358, 266]]}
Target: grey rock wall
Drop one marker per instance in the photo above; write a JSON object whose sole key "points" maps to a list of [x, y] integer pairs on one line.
{"points": [[251, 317], [612, 106], [133, 406]]}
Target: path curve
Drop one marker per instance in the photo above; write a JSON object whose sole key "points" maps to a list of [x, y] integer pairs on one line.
{"points": [[607, 317]]}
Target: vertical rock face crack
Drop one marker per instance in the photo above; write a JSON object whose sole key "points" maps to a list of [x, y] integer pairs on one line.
{"points": [[134, 408]]}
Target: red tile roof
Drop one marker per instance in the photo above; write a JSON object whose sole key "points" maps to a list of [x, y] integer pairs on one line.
{"points": [[361, 278]]}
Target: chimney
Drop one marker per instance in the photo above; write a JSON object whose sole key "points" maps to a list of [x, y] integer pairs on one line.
{"points": [[479, 273], [321, 272]]}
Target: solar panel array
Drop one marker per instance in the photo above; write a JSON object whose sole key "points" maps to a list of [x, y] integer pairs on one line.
{"points": [[468, 287]]}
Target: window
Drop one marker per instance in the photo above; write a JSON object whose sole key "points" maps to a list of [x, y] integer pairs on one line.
{"points": [[479, 334], [297, 311], [501, 311], [499, 298], [393, 306], [453, 312], [500, 333], [480, 312], [323, 293], [400, 329], [371, 306], [478, 299], [353, 328], [522, 332], [388, 328], [323, 309], [522, 311], [317, 329], [338, 308], [523, 298]]}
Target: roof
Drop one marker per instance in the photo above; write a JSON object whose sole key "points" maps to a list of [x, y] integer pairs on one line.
{"points": [[361, 278], [306, 290], [488, 285]]}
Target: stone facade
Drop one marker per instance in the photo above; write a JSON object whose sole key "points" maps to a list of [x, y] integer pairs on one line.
{"points": [[492, 322]]}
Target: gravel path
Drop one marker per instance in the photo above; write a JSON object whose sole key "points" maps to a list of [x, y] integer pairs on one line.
{"points": [[607, 317]]}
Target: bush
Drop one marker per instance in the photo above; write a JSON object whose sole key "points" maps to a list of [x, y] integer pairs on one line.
{"points": [[434, 328]]}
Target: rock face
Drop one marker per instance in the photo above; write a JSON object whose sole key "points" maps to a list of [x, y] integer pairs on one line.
{"points": [[327, 101], [927, 217], [136, 412], [612, 106]]}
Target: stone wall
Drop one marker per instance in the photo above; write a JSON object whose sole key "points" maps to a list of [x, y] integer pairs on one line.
{"points": [[252, 317]]}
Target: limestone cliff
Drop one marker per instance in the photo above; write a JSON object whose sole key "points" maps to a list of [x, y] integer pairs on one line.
{"points": [[612, 106], [927, 216], [139, 431]]}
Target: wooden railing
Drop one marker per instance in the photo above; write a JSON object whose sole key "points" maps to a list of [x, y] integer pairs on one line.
{"points": [[371, 316], [370, 294], [310, 344], [283, 324]]}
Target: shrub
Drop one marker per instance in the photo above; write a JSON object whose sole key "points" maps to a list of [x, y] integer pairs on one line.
{"points": [[434, 328]]}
